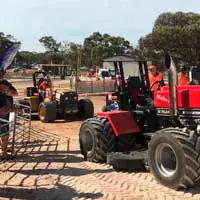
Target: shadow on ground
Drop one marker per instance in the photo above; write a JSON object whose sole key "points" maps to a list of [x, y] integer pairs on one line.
{"points": [[44, 156], [51, 152], [59, 192]]}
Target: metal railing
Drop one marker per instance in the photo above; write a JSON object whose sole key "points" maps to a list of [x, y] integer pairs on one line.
{"points": [[19, 127]]}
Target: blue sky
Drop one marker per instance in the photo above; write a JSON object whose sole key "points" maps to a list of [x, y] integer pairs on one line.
{"points": [[73, 20]]}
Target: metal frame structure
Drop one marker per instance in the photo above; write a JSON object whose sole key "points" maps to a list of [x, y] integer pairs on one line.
{"points": [[19, 127]]}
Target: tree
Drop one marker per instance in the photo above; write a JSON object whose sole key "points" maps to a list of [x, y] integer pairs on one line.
{"points": [[69, 51], [178, 33], [6, 41], [52, 49], [26, 58], [50, 44], [99, 46]]}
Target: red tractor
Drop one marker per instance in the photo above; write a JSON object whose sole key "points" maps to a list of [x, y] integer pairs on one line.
{"points": [[161, 128]]}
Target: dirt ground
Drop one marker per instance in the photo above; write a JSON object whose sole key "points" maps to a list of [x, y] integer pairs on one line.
{"points": [[44, 170]]}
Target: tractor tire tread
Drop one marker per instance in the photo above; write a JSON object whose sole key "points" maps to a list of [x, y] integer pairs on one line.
{"points": [[105, 139], [86, 108], [189, 142]]}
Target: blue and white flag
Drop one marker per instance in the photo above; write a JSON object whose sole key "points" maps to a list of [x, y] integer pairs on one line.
{"points": [[8, 56]]}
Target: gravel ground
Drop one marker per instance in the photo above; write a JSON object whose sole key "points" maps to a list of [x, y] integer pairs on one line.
{"points": [[44, 169]]}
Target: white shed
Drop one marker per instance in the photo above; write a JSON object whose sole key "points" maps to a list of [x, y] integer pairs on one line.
{"points": [[130, 66]]}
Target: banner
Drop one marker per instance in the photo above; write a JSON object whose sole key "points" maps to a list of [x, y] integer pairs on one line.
{"points": [[8, 56]]}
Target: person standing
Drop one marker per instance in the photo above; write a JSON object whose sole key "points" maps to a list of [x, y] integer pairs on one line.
{"points": [[5, 108]]}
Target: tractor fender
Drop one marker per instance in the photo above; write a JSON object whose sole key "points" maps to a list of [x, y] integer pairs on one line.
{"points": [[122, 122]]}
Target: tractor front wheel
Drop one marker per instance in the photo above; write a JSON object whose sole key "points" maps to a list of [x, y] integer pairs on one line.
{"points": [[173, 156], [47, 111], [96, 139], [86, 108]]}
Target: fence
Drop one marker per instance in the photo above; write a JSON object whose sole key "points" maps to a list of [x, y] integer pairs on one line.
{"points": [[19, 127], [23, 138], [83, 87], [96, 86]]}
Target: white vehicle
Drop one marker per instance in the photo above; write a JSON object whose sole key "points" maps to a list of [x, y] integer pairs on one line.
{"points": [[104, 74]]}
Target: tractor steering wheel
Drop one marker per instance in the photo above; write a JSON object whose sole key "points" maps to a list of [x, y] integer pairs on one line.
{"points": [[159, 85]]}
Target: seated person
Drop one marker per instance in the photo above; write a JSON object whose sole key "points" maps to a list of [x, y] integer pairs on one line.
{"points": [[183, 78], [155, 76], [46, 84], [39, 82]]}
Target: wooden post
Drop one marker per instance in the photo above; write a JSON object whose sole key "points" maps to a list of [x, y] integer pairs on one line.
{"points": [[78, 68]]}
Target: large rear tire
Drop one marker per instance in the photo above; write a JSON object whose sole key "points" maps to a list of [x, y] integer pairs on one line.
{"points": [[86, 108], [47, 112], [173, 156], [96, 139]]}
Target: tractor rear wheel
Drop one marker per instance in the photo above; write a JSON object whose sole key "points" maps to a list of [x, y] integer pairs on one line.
{"points": [[86, 108], [173, 156], [47, 111], [96, 139]]}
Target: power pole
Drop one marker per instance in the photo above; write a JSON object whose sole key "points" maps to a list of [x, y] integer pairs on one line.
{"points": [[78, 66]]}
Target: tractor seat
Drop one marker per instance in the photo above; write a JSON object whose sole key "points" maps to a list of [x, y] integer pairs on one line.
{"points": [[31, 91], [134, 82], [135, 87], [137, 94]]}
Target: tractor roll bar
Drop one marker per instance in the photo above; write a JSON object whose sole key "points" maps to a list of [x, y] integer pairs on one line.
{"points": [[143, 69], [122, 74], [172, 78], [146, 74], [34, 77]]}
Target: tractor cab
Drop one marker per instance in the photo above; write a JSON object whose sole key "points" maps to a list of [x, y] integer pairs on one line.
{"points": [[132, 92]]}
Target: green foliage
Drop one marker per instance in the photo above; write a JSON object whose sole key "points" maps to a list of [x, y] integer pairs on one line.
{"points": [[50, 43], [6, 41], [178, 33], [26, 57], [99, 46]]}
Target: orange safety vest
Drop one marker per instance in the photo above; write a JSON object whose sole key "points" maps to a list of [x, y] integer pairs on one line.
{"points": [[153, 79], [43, 86], [182, 79]]}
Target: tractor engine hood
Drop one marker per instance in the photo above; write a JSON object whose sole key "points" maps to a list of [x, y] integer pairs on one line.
{"points": [[172, 81]]}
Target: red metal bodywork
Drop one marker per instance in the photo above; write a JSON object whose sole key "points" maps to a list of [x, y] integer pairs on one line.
{"points": [[188, 97], [122, 122]]}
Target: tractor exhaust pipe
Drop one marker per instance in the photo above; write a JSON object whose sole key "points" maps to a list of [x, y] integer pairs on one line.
{"points": [[172, 78]]}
